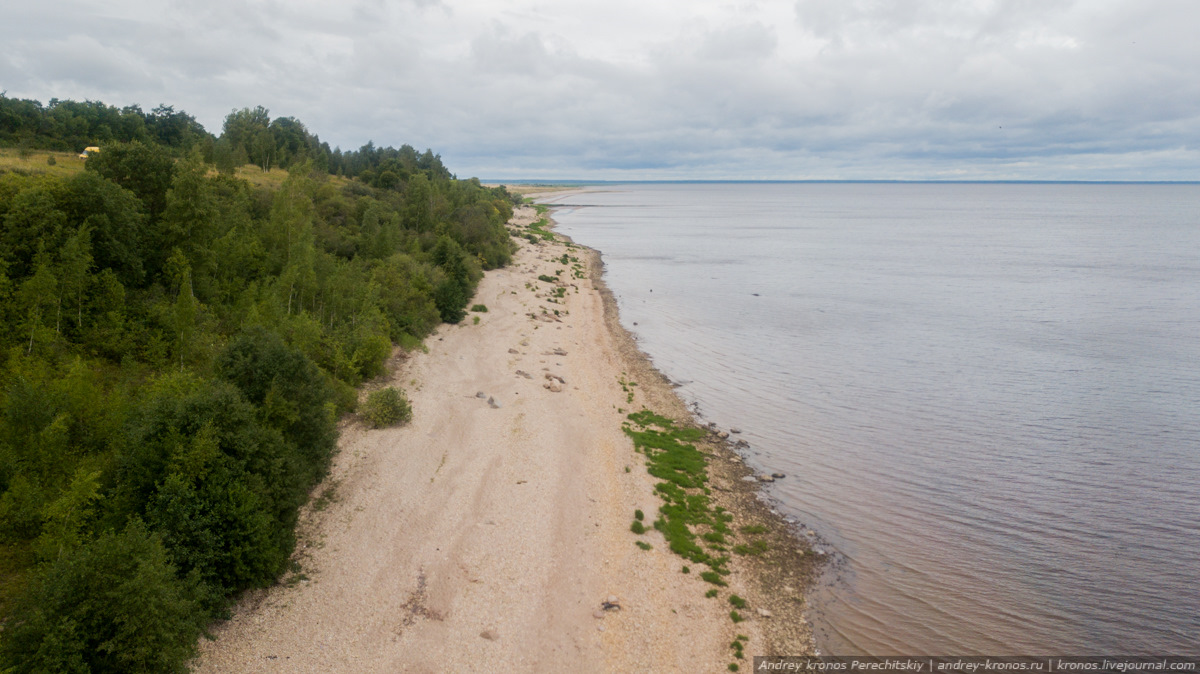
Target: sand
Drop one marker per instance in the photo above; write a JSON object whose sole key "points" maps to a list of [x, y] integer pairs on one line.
{"points": [[486, 537]]}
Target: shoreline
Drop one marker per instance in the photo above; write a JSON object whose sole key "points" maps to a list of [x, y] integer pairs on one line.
{"points": [[494, 537], [781, 578]]}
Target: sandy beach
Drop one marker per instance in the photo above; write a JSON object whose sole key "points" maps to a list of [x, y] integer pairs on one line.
{"points": [[490, 533]]}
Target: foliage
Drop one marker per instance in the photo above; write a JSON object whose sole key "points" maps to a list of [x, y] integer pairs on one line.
{"points": [[177, 342], [113, 605], [386, 407]]}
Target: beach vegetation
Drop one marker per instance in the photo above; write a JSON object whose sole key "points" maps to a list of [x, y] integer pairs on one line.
{"points": [[736, 617], [637, 527], [685, 569], [386, 407], [185, 317], [644, 545], [737, 601], [754, 529], [639, 515], [479, 308], [547, 279], [753, 548], [712, 593]]}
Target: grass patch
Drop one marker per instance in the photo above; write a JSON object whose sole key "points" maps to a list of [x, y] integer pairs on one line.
{"points": [[538, 229], [547, 279], [644, 545], [754, 529], [714, 578], [711, 593], [639, 515], [637, 528], [736, 617], [481, 308], [37, 162], [755, 547], [737, 601]]}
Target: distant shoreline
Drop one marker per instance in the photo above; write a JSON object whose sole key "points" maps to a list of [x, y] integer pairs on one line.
{"points": [[547, 186]]}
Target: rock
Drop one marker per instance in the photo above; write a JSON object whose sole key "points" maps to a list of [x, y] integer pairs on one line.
{"points": [[724, 435], [789, 589], [765, 478], [741, 444], [523, 373], [513, 351], [490, 635], [735, 430], [599, 628], [493, 404], [810, 532], [749, 478], [481, 394], [553, 386], [764, 613], [612, 599], [597, 614], [778, 476]]}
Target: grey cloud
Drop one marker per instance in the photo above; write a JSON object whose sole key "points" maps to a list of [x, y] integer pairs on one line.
{"points": [[825, 89]]}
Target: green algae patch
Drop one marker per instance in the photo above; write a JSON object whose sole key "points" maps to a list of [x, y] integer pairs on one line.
{"points": [[693, 527]]}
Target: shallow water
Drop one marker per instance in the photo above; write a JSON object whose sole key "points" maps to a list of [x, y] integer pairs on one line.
{"points": [[985, 396]]}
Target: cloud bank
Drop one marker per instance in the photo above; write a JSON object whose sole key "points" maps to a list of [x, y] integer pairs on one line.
{"points": [[801, 89]]}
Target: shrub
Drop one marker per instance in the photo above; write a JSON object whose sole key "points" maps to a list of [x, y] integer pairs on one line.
{"points": [[737, 601], [51, 160], [386, 407], [481, 308], [637, 528]]}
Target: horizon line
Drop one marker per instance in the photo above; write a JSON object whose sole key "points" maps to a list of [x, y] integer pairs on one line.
{"points": [[535, 182]]}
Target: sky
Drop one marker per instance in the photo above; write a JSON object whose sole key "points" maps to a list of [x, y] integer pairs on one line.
{"points": [[660, 89]]}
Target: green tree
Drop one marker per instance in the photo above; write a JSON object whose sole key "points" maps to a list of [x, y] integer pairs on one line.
{"points": [[114, 605], [145, 170], [75, 267]]}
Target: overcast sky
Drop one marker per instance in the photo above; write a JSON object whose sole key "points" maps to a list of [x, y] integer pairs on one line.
{"points": [[660, 89]]}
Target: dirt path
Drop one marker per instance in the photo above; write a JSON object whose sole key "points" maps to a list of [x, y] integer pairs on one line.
{"points": [[482, 538]]}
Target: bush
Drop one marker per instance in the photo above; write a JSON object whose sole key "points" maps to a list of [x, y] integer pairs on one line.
{"points": [[481, 308], [386, 407]]}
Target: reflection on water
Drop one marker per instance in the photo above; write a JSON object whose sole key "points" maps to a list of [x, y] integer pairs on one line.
{"points": [[985, 395]]}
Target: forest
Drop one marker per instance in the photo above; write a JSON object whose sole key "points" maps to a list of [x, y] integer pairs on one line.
{"points": [[179, 343]]}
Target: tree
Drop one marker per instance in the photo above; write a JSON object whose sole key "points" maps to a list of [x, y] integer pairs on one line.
{"points": [[75, 266], [38, 296], [145, 170], [114, 605]]}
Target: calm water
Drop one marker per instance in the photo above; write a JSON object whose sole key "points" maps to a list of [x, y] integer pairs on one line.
{"points": [[986, 396]]}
